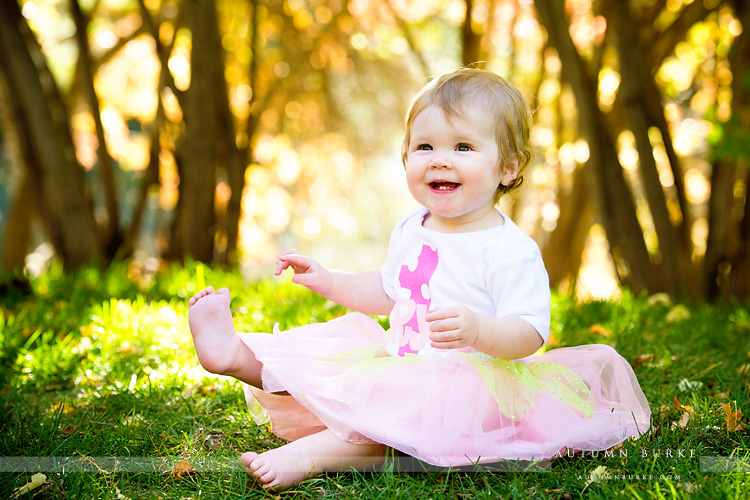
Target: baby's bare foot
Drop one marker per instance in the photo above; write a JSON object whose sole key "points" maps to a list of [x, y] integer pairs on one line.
{"points": [[280, 468], [307, 457], [216, 341]]}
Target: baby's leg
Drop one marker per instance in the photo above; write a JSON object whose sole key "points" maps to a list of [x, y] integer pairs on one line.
{"points": [[220, 350], [284, 467]]}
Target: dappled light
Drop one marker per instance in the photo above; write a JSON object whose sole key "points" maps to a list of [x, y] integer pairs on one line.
{"points": [[122, 382], [304, 136], [151, 148]]}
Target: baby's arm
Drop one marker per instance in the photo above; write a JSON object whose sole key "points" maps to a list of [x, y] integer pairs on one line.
{"points": [[509, 337], [361, 292]]}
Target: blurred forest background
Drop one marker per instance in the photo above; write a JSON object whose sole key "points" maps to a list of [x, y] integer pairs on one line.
{"points": [[223, 131]]}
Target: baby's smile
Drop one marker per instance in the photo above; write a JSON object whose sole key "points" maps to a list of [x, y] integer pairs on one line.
{"points": [[444, 185]]}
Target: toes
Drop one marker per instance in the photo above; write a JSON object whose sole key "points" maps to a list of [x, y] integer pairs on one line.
{"points": [[223, 291], [272, 484], [264, 474], [259, 468], [204, 293], [267, 478]]}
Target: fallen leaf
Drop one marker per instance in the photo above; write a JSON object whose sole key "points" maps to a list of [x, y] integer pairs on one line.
{"points": [[677, 405], [664, 411], [208, 389], [182, 468], [190, 391], [680, 407], [689, 487], [643, 359], [686, 411], [36, 481], [69, 430], [597, 475], [599, 330], [684, 420], [732, 419]]}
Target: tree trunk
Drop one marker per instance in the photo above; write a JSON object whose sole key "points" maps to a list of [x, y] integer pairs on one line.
{"points": [[606, 182], [20, 214], [640, 95], [48, 152], [112, 234], [471, 41], [17, 234], [195, 218], [564, 251], [739, 278], [229, 155], [722, 240]]}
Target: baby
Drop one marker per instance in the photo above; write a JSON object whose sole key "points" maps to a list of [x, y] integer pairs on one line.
{"points": [[452, 382]]}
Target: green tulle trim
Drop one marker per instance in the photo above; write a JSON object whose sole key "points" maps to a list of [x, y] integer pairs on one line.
{"points": [[512, 384], [520, 381]]}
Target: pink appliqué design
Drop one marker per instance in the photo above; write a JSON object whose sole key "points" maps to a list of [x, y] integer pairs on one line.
{"points": [[415, 332]]}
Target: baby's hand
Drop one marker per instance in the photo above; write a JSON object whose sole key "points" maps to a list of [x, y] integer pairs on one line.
{"points": [[307, 272], [453, 327]]}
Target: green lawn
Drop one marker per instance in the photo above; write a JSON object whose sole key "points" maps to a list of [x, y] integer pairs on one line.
{"points": [[96, 365]]}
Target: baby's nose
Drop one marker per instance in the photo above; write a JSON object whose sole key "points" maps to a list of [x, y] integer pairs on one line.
{"points": [[440, 161]]}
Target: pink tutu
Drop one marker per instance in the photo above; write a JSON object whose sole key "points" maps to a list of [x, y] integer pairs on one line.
{"points": [[461, 409]]}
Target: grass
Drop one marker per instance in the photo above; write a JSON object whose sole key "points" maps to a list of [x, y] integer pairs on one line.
{"points": [[100, 364]]}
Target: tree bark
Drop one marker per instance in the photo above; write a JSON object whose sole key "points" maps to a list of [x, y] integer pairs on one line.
{"points": [[606, 182], [195, 218], [112, 234], [722, 238], [639, 95], [229, 155], [564, 250], [49, 153], [739, 279], [17, 234], [471, 41]]}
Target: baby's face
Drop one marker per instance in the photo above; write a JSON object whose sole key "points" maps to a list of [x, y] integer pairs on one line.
{"points": [[452, 168]]}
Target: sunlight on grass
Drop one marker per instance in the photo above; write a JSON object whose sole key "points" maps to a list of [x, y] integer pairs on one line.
{"points": [[101, 364]]}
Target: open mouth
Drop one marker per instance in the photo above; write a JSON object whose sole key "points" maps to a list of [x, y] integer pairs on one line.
{"points": [[444, 185]]}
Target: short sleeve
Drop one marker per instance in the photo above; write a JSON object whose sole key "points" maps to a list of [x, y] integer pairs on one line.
{"points": [[519, 285]]}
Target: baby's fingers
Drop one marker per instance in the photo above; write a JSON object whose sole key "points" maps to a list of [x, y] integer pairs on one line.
{"points": [[300, 263], [288, 251], [445, 340], [442, 313], [281, 265], [444, 325]]}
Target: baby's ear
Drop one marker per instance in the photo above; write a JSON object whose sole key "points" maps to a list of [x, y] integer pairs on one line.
{"points": [[510, 172]]}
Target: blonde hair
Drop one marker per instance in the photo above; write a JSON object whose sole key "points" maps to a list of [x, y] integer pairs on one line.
{"points": [[453, 92]]}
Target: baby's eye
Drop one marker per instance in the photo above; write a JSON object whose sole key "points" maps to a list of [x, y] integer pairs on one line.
{"points": [[463, 147], [424, 147]]}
